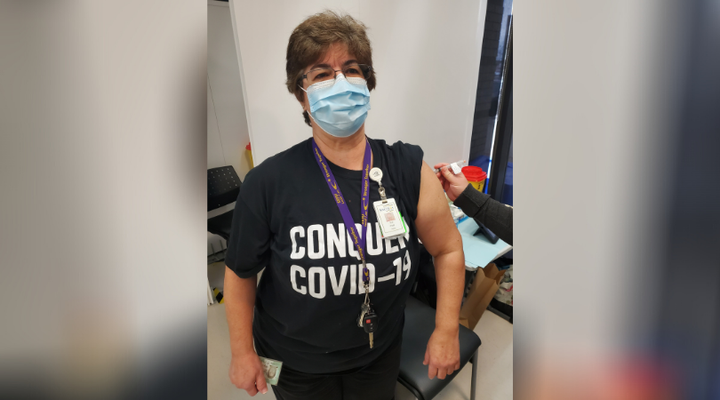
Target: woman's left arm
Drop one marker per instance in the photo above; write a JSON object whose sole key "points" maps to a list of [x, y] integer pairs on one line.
{"points": [[442, 240]]}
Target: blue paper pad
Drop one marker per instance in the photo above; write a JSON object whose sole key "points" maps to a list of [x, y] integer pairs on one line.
{"points": [[478, 250]]}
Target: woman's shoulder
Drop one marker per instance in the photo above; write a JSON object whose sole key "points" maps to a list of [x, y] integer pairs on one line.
{"points": [[280, 163], [400, 151], [403, 162], [284, 159]]}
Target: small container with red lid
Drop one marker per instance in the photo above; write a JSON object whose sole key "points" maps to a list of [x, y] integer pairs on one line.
{"points": [[476, 176]]}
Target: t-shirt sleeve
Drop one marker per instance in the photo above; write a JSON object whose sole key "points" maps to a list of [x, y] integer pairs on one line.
{"points": [[249, 245], [409, 159]]}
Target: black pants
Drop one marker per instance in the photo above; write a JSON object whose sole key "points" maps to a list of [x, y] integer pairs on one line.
{"points": [[376, 381]]}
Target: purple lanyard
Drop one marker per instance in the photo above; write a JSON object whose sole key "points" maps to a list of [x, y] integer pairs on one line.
{"points": [[359, 241]]}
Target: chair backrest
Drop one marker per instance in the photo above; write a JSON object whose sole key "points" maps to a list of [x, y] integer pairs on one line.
{"points": [[223, 186]]}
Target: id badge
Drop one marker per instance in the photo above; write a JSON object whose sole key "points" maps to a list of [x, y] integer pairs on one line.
{"points": [[271, 370], [388, 215]]}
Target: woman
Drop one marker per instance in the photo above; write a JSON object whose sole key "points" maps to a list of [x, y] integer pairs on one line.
{"points": [[309, 216]]}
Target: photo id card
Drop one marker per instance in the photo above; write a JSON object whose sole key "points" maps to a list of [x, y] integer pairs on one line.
{"points": [[271, 370], [388, 215]]}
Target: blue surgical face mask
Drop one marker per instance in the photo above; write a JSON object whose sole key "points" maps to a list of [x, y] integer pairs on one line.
{"points": [[339, 106]]}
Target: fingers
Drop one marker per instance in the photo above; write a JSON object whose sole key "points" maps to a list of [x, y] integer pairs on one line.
{"points": [[438, 166], [251, 390], [441, 175], [248, 376], [241, 383], [450, 176], [441, 361], [447, 174], [439, 369], [441, 373], [260, 383]]}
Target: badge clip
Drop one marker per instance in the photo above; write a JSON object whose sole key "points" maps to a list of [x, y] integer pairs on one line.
{"points": [[376, 175]]}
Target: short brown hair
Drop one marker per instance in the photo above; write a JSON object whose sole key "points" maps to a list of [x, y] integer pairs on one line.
{"points": [[311, 40]]}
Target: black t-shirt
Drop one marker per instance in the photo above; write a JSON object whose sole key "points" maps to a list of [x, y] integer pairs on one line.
{"points": [[309, 296]]}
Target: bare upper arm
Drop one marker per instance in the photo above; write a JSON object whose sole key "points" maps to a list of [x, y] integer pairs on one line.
{"points": [[434, 222]]}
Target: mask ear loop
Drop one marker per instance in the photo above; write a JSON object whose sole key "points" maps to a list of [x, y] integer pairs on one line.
{"points": [[303, 89], [311, 117], [308, 111]]}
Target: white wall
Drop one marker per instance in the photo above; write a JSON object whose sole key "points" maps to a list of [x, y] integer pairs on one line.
{"points": [[426, 54], [227, 125]]}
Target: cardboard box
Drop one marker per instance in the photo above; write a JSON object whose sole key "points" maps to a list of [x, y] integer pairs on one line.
{"points": [[482, 291]]}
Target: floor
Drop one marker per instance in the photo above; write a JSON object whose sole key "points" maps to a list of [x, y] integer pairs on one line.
{"points": [[495, 367]]}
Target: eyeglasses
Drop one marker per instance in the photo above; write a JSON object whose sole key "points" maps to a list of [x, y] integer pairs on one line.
{"points": [[350, 71]]}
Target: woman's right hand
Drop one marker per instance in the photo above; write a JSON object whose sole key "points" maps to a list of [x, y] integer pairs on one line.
{"points": [[246, 372], [453, 184]]}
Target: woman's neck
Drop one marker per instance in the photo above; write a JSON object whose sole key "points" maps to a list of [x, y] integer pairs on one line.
{"points": [[346, 152]]}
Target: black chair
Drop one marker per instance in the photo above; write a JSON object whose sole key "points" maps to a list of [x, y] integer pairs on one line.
{"points": [[419, 325], [223, 189]]}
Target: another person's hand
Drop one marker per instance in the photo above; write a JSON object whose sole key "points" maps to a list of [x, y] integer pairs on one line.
{"points": [[442, 355], [246, 372], [453, 184]]}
